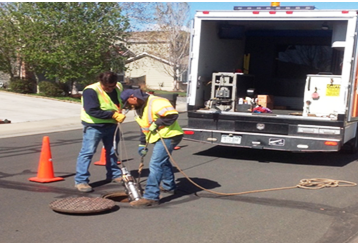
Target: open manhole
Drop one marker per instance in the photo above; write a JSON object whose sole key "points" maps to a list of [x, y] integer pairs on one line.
{"points": [[119, 196], [82, 205]]}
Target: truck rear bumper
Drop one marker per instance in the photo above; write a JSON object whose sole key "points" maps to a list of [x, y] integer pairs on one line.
{"points": [[264, 141]]}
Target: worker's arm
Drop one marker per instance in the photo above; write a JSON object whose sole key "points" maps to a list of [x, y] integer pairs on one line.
{"points": [[142, 149], [163, 121], [167, 120], [142, 138], [92, 106]]}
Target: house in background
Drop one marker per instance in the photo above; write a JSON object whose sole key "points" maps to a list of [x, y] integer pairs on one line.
{"points": [[149, 70], [19, 70], [144, 67]]}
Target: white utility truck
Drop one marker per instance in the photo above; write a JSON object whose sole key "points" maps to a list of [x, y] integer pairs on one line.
{"points": [[276, 78]]}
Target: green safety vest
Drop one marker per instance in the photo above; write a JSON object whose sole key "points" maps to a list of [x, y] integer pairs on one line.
{"points": [[155, 108], [106, 104]]}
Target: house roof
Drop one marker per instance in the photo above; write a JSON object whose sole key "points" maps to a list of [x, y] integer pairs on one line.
{"points": [[128, 53], [145, 54]]}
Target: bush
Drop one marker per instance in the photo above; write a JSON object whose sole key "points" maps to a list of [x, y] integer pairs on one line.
{"points": [[22, 86], [50, 89], [64, 88]]}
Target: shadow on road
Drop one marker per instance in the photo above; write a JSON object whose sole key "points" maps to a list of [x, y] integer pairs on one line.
{"points": [[336, 159]]}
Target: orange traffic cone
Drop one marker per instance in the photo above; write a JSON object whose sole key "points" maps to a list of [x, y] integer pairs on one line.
{"points": [[45, 169], [102, 160]]}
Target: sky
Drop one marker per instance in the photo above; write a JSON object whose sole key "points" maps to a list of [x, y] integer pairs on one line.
{"points": [[194, 6]]}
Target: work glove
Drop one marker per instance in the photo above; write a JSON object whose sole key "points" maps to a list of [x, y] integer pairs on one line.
{"points": [[119, 117], [153, 127], [142, 150]]}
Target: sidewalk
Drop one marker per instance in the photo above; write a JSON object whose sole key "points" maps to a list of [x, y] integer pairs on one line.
{"points": [[31, 115]]}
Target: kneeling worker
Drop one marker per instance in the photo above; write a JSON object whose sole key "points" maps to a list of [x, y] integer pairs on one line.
{"points": [[155, 113]]}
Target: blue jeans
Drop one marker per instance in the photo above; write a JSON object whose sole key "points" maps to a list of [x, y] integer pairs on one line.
{"points": [[160, 168], [91, 138]]}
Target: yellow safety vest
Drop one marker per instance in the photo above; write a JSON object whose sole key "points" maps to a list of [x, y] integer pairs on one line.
{"points": [[158, 107], [105, 102]]}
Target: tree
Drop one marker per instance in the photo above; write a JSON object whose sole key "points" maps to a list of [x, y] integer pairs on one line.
{"points": [[172, 19], [70, 41], [168, 37], [8, 43], [140, 14]]}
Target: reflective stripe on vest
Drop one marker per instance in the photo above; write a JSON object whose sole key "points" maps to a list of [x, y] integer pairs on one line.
{"points": [[158, 107]]}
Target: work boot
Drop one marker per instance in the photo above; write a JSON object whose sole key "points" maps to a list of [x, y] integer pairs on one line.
{"points": [[117, 180], [83, 187], [167, 191], [141, 203]]}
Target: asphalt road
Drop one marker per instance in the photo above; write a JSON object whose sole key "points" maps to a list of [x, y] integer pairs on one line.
{"points": [[192, 215]]}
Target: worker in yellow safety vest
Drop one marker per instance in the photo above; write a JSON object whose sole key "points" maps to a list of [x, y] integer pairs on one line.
{"points": [[157, 118], [101, 111]]}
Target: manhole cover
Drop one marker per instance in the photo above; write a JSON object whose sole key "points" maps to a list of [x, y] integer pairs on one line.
{"points": [[82, 205]]}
